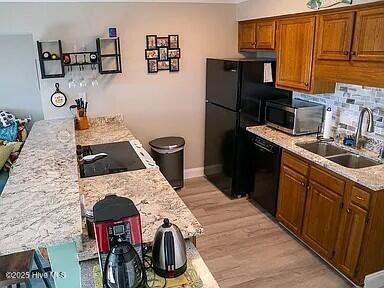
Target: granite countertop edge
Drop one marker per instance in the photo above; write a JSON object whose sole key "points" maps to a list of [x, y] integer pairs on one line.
{"points": [[368, 177]]}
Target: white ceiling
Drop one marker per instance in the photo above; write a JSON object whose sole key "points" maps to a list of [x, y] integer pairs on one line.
{"points": [[111, 1]]}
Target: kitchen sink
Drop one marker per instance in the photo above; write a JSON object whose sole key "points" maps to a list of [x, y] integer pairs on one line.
{"points": [[322, 148], [339, 155], [353, 161]]}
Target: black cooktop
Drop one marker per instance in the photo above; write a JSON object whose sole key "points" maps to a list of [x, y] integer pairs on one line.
{"points": [[121, 158]]}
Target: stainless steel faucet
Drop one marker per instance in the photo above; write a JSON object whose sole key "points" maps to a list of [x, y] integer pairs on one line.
{"points": [[381, 154], [370, 128]]}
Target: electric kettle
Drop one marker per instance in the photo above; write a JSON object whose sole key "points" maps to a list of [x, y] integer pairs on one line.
{"points": [[169, 256], [123, 267]]}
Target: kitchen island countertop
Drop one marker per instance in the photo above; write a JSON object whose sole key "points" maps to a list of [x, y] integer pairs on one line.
{"points": [[369, 177], [153, 196], [40, 202], [147, 188], [42, 196]]}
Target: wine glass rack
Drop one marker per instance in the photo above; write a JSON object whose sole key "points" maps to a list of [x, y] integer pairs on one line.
{"points": [[53, 64]]}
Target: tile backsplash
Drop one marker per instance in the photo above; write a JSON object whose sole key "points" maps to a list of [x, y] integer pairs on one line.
{"points": [[346, 104]]}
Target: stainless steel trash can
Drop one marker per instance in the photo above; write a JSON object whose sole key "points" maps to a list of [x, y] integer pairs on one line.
{"points": [[168, 153]]}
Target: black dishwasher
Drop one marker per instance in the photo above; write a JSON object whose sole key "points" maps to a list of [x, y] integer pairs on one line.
{"points": [[265, 166]]}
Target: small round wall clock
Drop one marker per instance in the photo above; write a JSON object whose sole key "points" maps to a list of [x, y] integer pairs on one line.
{"points": [[58, 98]]}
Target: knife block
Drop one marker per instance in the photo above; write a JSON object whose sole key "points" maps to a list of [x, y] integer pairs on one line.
{"points": [[81, 122]]}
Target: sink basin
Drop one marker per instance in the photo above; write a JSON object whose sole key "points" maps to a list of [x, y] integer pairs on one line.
{"points": [[322, 148], [353, 161]]}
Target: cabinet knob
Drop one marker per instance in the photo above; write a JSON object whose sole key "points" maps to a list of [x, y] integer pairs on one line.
{"points": [[306, 84], [353, 53], [349, 210], [346, 52]]}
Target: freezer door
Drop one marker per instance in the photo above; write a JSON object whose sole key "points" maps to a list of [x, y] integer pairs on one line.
{"points": [[220, 146], [222, 83]]}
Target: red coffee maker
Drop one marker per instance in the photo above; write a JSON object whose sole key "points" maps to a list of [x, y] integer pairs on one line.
{"points": [[118, 232]]}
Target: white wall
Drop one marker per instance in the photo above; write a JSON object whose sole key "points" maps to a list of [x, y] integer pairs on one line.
{"points": [[252, 9], [155, 105], [19, 91]]}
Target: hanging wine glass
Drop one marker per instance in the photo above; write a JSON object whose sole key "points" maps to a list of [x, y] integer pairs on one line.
{"points": [[83, 79], [71, 80], [94, 81]]}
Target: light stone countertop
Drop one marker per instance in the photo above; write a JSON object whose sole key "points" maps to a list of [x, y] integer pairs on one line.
{"points": [[369, 177], [153, 196], [40, 205], [107, 129], [147, 188], [40, 202]]}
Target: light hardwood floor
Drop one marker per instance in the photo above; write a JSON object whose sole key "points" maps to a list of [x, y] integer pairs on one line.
{"points": [[243, 247]]}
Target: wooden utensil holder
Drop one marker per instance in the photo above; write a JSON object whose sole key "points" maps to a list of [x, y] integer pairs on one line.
{"points": [[82, 122]]}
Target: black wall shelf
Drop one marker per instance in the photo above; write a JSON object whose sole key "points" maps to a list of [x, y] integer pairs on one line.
{"points": [[46, 64], [100, 42], [116, 47]]}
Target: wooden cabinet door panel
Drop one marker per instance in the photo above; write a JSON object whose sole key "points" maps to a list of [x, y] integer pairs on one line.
{"points": [[265, 34], [334, 36], [321, 219], [295, 42], [291, 200], [351, 232], [368, 42], [247, 35]]}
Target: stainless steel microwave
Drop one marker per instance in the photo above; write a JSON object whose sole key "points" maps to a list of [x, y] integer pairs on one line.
{"points": [[294, 116]]}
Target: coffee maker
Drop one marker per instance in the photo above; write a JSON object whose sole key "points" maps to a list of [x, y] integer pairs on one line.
{"points": [[117, 229]]}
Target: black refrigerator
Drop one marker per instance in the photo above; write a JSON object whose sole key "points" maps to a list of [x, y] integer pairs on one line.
{"points": [[236, 92]]}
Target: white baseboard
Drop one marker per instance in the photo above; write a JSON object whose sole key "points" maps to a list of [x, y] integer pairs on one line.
{"points": [[193, 172], [375, 280]]}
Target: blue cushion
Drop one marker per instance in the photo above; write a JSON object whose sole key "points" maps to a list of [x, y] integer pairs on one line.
{"points": [[9, 133], [3, 179]]}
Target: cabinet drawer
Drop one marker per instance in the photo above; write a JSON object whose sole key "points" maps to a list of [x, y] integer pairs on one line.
{"points": [[295, 164], [327, 180], [360, 197]]}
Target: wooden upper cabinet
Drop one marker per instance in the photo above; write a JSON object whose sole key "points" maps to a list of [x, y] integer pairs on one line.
{"points": [[350, 238], [291, 200], [247, 35], [265, 34], [321, 220], [368, 42], [295, 40], [334, 36]]}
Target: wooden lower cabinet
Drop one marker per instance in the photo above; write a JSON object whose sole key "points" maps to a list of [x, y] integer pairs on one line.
{"points": [[336, 217], [321, 220], [350, 238], [291, 200]]}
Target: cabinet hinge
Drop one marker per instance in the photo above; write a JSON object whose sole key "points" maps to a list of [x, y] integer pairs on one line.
{"points": [[333, 253], [367, 221], [341, 205]]}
